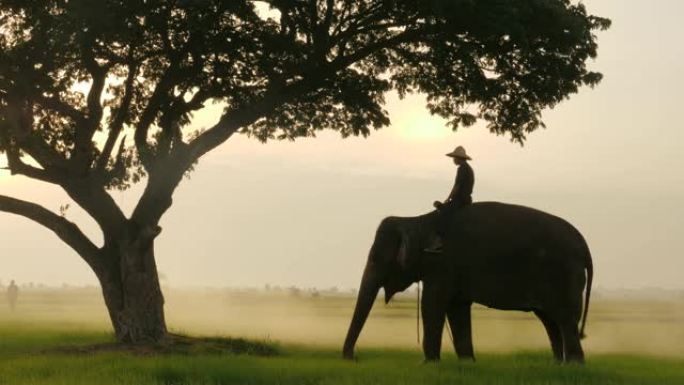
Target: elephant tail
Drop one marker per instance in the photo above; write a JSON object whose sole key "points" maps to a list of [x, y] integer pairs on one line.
{"points": [[590, 277]]}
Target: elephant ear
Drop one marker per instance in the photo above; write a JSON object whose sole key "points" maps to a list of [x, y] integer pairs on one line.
{"points": [[406, 255]]}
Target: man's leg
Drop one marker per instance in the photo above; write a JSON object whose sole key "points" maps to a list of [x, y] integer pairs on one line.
{"points": [[445, 212]]}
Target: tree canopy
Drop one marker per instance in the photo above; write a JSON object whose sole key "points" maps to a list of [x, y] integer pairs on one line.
{"points": [[310, 65]]}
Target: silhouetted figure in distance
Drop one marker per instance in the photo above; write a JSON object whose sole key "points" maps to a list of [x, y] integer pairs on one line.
{"points": [[12, 294], [460, 195]]}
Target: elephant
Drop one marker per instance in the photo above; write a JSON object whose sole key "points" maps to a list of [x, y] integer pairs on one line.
{"points": [[499, 255]]}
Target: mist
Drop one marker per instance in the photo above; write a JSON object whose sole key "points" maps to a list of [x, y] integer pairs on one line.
{"points": [[321, 318]]}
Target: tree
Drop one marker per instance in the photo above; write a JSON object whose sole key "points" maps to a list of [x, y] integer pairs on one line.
{"points": [[282, 69]]}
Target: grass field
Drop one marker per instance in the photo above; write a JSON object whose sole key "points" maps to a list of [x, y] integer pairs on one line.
{"points": [[630, 342]]}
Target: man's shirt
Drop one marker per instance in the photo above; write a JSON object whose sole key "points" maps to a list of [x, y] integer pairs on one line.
{"points": [[465, 179]]}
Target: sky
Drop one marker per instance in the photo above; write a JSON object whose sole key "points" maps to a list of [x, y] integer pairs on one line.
{"points": [[304, 213]]}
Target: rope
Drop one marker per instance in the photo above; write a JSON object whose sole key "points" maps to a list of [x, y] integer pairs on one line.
{"points": [[418, 313], [448, 327]]}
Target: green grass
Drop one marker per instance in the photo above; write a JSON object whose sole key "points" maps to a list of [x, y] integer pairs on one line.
{"points": [[53, 336], [28, 356]]}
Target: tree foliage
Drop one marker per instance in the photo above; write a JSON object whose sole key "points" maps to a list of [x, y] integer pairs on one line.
{"points": [[310, 65]]}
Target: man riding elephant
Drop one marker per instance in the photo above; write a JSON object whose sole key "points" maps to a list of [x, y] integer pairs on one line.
{"points": [[459, 196]]}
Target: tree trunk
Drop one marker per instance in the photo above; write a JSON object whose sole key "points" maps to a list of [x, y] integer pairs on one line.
{"points": [[131, 290]]}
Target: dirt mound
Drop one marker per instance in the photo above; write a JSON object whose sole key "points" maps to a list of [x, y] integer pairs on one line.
{"points": [[177, 344]]}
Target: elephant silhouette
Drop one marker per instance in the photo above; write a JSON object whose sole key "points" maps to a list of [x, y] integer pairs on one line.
{"points": [[499, 255]]}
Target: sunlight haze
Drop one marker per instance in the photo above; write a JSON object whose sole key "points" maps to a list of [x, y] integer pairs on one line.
{"points": [[304, 213]]}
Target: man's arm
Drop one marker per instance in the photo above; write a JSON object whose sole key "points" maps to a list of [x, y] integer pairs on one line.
{"points": [[453, 193]]}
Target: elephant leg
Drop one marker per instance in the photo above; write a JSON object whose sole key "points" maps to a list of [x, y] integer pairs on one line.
{"points": [[571, 341], [433, 309], [554, 334], [460, 322]]}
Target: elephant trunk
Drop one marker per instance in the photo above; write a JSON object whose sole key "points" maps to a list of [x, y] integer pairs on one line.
{"points": [[367, 293]]}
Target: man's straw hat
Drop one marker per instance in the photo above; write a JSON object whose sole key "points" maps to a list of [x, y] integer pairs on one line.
{"points": [[459, 152]]}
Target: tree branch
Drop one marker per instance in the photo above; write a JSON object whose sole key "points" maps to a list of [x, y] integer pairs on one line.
{"points": [[54, 104], [99, 75], [233, 121], [19, 123], [407, 36], [95, 200], [163, 87], [67, 231], [16, 166], [229, 124], [119, 119], [85, 130], [94, 105]]}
